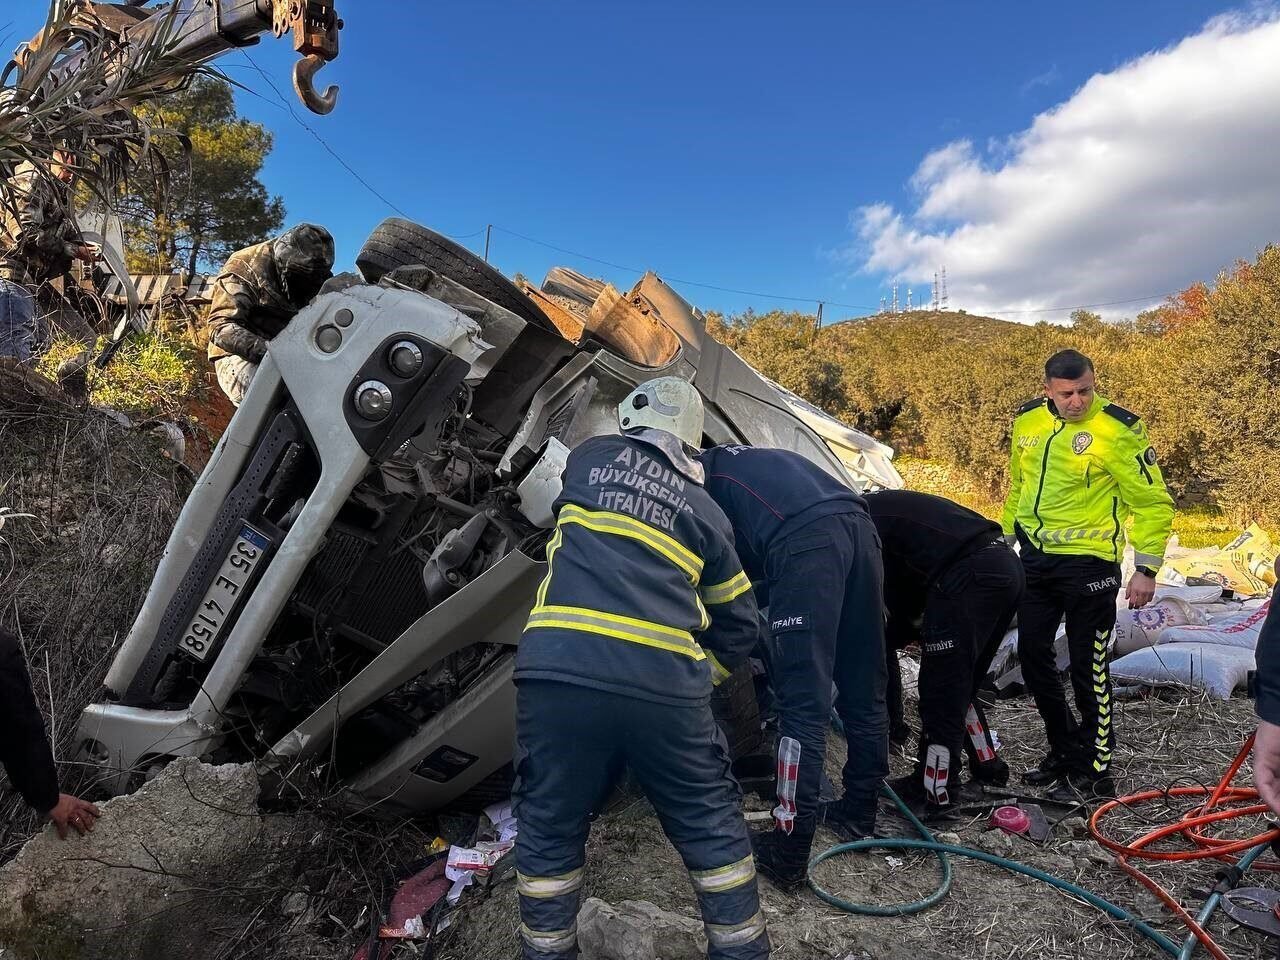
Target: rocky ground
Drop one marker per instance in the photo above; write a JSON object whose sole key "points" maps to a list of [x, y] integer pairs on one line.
{"points": [[990, 913]]}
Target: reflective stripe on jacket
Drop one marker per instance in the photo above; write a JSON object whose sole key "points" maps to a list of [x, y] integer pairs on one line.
{"points": [[1073, 486], [644, 594]]}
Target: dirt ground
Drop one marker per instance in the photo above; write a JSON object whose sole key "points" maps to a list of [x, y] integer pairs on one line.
{"points": [[990, 914]]}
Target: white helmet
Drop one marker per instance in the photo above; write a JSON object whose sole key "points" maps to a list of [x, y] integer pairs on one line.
{"points": [[666, 403]]}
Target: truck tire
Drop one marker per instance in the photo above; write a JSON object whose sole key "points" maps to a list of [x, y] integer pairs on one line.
{"points": [[733, 704], [397, 243]]}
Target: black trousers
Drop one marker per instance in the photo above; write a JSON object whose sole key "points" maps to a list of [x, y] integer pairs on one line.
{"points": [[826, 618], [967, 612], [1083, 589]]}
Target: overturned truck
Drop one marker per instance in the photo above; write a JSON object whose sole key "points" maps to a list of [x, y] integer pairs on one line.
{"points": [[347, 583]]}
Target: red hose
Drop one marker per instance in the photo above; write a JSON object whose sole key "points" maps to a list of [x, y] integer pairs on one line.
{"points": [[1225, 802]]}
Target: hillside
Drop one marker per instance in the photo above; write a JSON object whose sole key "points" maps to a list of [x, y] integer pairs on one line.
{"points": [[1202, 370]]}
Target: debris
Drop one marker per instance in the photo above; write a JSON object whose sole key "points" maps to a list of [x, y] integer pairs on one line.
{"points": [[295, 904], [949, 837], [996, 842], [637, 930], [1074, 827], [503, 819], [894, 862]]}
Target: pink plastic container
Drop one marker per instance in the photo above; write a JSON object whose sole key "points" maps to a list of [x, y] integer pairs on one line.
{"points": [[1010, 819]]}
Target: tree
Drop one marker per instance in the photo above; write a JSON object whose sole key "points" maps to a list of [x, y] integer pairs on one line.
{"points": [[214, 203]]}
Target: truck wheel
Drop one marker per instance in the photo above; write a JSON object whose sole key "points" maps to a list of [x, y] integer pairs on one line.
{"points": [[733, 704], [397, 243]]}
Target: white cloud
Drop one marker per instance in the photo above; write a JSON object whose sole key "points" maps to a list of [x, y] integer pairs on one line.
{"points": [[1152, 176]]}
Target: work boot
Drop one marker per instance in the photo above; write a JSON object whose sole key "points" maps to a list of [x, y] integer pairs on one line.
{"points": [[849, 821], [994, 772], [783, 859], [911, 791], [1052, 768], [1084, 788]]}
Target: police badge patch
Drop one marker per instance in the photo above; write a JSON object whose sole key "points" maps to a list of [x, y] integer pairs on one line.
{"points": [[1150, 456], [1080, 442]]}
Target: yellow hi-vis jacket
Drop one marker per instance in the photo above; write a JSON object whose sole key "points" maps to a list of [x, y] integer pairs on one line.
{"points": [[1073, 486]]}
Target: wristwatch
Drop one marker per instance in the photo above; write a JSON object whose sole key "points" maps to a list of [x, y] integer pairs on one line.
{"points": [[1147, 571]]}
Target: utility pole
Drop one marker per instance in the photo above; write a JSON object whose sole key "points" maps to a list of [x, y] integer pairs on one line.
{"points": [[488, 231]]}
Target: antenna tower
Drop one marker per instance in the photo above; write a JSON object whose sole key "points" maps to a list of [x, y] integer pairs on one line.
{"points": [[934, 304], [909, 308], [943, 303], [895, 298], [882, 306]]}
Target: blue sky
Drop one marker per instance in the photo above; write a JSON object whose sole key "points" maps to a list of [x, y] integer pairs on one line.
{"points": [[757, 146]]}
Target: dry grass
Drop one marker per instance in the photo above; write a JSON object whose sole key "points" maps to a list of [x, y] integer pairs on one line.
{"points": [[102, 502]]}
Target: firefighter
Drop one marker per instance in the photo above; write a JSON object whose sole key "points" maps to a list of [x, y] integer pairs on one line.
{"points": [[952, 585], [644, 602], [258, 292], [809, 542], [1079, 468]]}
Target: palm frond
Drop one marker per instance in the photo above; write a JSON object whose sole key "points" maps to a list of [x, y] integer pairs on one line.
{"points": [[76, 85]]}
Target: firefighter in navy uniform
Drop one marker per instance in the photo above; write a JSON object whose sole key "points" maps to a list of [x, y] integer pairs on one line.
{"points": [[1079, 468], [952, 585], [644, 602], [808, 542]]}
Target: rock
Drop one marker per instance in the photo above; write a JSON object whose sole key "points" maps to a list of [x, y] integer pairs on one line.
{"points": [[637, 930], [295, 905], [159, 876], [948, 837], [1059, 865], [1074, 827], [995, 842], [1086, 851]]}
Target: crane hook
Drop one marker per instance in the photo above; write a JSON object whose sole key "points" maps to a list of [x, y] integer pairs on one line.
{"points": [[304, 72]]}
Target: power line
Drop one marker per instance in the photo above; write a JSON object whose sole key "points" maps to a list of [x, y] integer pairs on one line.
{"points": [[820, 301], [689, 283], [334, 153], [1089, 306]]}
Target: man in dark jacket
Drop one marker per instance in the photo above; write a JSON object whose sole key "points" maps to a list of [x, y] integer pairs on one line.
{"points": [[805, 538], [24, 748], [644, 603], [952, 585], [260, 289]]}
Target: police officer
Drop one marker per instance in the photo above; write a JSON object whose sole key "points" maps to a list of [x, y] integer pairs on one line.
{"points": [[258, 292], [952, 585], [807, 538], [644, 600], [1080, 467]]}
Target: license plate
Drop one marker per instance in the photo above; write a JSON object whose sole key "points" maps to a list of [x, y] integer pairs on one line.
{"points": [[225, 593]]}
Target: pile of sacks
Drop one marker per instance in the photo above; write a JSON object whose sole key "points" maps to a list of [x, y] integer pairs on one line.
{"points": [[1201, 630]]}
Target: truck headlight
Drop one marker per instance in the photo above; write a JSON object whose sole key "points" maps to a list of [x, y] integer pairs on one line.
{"points": [[405, 358], [373, 400]]}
